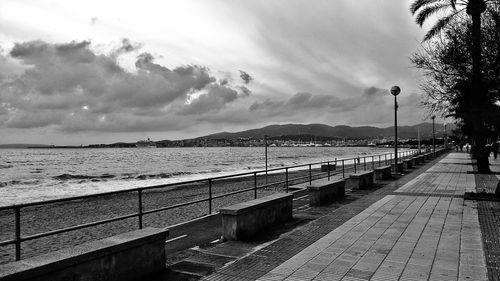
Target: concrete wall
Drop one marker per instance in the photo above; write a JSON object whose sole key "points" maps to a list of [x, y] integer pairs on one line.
{"points": [[324, 193], [129, 256], [245, 220]]}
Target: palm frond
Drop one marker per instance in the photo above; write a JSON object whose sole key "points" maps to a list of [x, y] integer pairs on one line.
{"points": [[436, 29], [415, 6], [428, 11], [453, 4], [495, 15]]}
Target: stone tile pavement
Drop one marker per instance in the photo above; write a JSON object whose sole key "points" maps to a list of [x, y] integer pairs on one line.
{"points": [[447, 177], [401, 237], [489, 219], [422, 230]]}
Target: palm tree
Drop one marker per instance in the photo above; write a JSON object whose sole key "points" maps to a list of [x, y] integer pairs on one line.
{"points": [[424, 9]]}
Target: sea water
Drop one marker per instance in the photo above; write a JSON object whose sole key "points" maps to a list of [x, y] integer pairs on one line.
{"points": [[28, 175]]}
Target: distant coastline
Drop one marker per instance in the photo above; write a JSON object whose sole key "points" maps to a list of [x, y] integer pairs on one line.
{"points": [[289, 135]]}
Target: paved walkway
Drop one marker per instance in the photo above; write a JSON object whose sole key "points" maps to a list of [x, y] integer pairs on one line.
{"points": [[423, 231]]}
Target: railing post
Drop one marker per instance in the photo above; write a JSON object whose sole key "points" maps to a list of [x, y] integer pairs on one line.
{"points": [[379, 160], [343, 170], [354, 160], [328, 168], [364, 163], [255, 185], [139, 197], [385, 159], [209, 196], [310, 174], [373, 162], [17, 213], [286, 179]]}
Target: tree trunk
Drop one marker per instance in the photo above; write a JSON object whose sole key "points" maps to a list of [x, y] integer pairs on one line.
{"points": [[475, 8]]}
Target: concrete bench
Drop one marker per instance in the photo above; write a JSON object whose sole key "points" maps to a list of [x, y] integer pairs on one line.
{"points": [[135, 255], [382, 173], [244, 220], [360, 180], [327, 167], [416, 160], [325, 192], [407, 164], [397, 168]]}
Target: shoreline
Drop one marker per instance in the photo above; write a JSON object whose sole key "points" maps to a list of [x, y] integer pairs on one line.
{"points": [[43, 218], [123, 185]]}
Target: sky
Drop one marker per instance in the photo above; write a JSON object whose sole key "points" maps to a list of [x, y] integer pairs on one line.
{"points": [[81, 72]]}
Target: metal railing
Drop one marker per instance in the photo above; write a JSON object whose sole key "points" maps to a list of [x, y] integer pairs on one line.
{"points": [[311, 173]]}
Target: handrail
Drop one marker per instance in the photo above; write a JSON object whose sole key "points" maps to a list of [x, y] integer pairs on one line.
{"points": [[347, 164], [79, 197]]}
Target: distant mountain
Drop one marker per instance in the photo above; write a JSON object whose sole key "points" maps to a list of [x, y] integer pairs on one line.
{"points": [[341, 131]]}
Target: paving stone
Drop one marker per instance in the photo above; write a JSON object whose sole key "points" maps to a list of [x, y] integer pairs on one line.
{"points": [[423, 230]]}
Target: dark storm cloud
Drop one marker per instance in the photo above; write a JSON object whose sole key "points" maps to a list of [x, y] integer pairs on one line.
{"points": [[302, 102], [245, 77], [126, 47], [372, 105], [338, 47], [374, 91], [71, 88], [215, 98]]}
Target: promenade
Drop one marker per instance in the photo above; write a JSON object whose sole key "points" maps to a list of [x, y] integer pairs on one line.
{"points": [[422, 229]]}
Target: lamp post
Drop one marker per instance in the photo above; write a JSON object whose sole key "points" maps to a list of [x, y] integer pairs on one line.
{"points": [[395, 91], [433, 137], [265, 144]]}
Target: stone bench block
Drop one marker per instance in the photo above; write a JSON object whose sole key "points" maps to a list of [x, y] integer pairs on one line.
{"points": [[323, 193], [135, 255], [407, 164], [413, 161], [360, 180], [382, 173], [399, 168], [327, 167], [244, 220], [416, 160]]}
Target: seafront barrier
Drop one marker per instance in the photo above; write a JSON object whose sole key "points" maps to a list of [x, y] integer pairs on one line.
{"points": [[84, 218], [135, 255], [110, 256]]}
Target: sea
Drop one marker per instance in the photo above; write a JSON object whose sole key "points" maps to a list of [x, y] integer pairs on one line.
{"points": [[28, 175]]}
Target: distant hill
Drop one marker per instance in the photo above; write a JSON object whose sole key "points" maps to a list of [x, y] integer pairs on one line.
{"points": [[341, 131]]}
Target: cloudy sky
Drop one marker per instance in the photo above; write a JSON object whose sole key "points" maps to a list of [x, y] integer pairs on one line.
{"points": [[80, 72]]}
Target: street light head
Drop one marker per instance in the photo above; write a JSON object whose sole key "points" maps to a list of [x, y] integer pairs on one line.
{"points": [[395, 90], [433, 117]]}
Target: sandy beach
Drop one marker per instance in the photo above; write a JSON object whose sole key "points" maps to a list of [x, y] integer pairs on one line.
{"points": [[39, 219]]}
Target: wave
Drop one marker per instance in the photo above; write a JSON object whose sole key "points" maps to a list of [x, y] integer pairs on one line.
{"points": [[19, 182], [64, 177], [287, 157], [161, 175]]}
